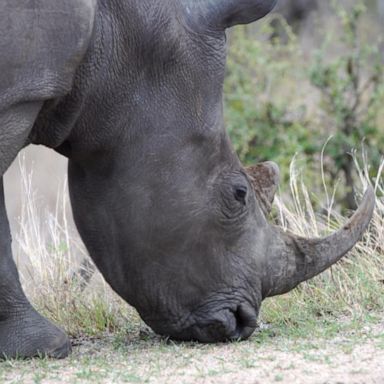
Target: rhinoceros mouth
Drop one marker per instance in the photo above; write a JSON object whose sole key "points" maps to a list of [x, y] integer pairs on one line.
{"points": [[226, 325], [212, 325]]}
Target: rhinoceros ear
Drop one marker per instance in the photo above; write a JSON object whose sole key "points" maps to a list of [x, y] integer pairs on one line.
{"points": [[265, 179], [222, 14]]}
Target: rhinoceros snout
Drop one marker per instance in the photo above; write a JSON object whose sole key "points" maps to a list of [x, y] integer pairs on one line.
{"points": [[226, 325]]}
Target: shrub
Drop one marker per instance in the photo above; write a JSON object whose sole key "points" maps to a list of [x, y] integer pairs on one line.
{"points": [[281, 101]]}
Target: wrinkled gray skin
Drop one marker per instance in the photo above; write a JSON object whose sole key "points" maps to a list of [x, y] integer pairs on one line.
{"points": [[131, 93]]}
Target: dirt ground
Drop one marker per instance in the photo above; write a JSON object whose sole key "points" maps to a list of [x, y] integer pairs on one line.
{"points": [[350, 358]]}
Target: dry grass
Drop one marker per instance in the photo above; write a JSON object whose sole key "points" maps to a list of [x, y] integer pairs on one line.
{"points": [[51, 256], [353, 288], [53, 263], [315, 334]]}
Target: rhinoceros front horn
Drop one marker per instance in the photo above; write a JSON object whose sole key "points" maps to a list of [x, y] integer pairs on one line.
{"points": [[222, 14], [291, 260]]}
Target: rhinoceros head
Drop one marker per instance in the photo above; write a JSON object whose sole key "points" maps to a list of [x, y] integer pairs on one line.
{"points": [[173, 220]]}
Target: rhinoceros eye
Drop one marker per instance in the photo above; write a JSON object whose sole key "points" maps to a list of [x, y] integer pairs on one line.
{"points": [[241, 192]]}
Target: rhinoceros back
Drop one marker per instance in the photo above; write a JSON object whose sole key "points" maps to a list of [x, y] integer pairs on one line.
{"points": [[41, 44]]}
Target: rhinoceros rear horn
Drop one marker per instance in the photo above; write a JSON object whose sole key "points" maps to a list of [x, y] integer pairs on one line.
{"points": [[222, 14], [292, 259], [265, 179]]}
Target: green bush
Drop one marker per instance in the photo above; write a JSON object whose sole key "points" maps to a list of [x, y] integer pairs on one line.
{"points": [[281, 101], [265, 111], [352, 90]]}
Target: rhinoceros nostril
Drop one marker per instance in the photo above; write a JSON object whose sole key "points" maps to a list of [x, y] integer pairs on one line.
{"points": [[227, 325], [246, 322]]}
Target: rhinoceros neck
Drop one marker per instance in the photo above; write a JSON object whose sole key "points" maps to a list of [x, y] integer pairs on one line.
{"points": [[136, 80], [77, 117]]}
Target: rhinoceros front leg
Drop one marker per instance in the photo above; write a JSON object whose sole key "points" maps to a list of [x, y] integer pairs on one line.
{"points": [[23, 332]]}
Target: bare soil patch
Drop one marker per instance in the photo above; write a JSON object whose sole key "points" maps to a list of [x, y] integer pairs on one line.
{"points": [[354, 357]]}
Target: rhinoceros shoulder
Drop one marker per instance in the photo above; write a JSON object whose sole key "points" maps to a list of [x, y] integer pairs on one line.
{"points": [[41, 43]]}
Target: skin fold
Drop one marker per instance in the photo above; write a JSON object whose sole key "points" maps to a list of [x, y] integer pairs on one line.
{"points": [[131, 93]]}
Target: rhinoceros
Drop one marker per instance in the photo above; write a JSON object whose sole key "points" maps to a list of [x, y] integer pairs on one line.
{"points": [[131, 93]]}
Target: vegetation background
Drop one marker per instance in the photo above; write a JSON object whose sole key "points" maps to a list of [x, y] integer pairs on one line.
{"points": [[304, 88], [319, 93]]}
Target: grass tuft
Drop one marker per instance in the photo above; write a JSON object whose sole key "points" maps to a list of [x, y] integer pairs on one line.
{"points": [[346, 295], [51, 258]]}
